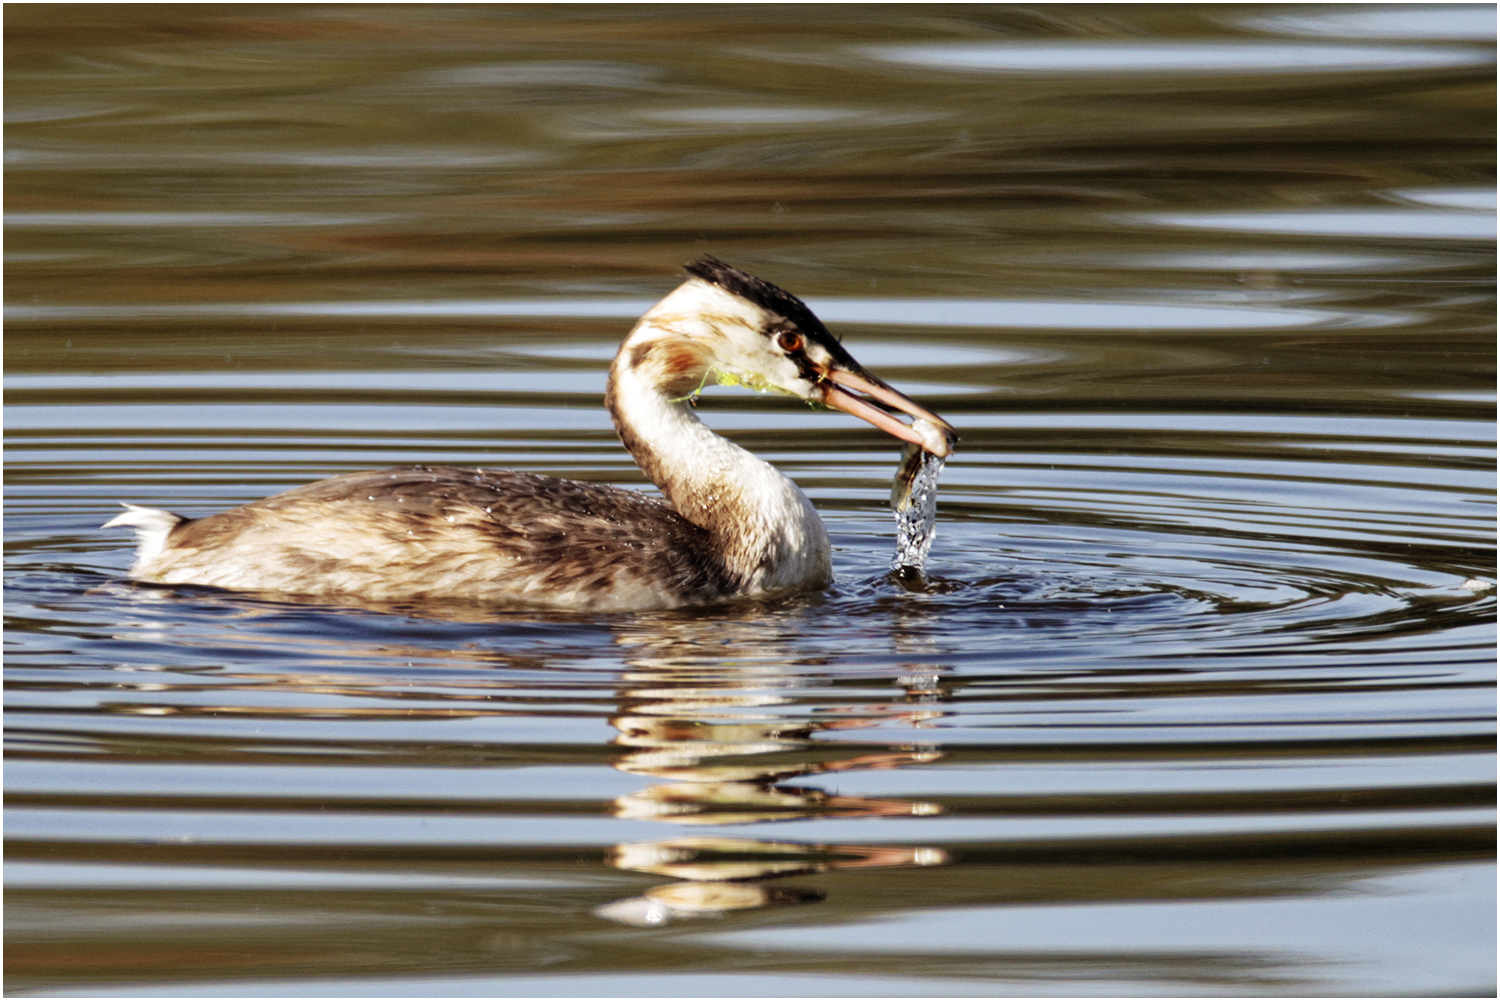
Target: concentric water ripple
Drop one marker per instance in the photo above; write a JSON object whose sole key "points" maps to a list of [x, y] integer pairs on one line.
{"points": [[1195, 695]]}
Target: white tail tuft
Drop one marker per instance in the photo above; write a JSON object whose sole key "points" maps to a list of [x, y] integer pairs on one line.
{"points": [[152, 526]]}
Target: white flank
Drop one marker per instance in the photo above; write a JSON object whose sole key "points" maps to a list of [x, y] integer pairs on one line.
{"points": [[151, 524]]}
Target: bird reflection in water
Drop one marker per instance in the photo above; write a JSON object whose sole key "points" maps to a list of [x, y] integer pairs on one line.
{"points": [[725, 733]]}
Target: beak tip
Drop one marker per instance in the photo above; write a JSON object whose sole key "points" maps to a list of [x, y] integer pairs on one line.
{"points": [[938, 439], [927, 430]]}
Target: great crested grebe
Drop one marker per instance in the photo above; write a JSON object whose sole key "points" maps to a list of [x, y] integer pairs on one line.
{"points": [[731, 525]]}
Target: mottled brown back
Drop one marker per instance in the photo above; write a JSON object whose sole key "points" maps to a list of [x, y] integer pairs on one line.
{"points": [[437, 530]]}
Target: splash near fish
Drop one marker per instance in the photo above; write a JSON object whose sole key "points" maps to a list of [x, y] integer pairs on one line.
{"points": [[914, 494]]}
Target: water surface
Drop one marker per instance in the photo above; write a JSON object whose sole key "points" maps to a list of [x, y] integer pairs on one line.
{"points": [[1195, 696]]}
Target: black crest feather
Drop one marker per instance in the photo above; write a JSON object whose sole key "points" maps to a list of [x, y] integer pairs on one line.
{"points": [[769, 297]]}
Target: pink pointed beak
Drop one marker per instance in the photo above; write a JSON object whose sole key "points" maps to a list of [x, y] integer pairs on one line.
{"points": [[841, 385]]}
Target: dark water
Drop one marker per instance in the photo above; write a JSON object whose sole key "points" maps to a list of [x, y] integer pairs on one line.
{"points": [[1196, 697]]}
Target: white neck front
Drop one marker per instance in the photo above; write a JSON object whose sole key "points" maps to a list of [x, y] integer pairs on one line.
{"points": [[761, 524]]}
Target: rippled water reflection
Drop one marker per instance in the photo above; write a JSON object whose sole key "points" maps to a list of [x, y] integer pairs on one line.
{"points": [[1196, 696]]}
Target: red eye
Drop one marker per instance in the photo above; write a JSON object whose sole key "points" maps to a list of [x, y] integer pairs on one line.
{"points": [[789, 340]]}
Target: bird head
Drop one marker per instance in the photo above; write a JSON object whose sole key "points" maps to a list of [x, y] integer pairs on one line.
{"points": [[735, 328]]}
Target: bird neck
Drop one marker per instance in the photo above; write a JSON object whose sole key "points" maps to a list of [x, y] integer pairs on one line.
{"points": [[759, 522]]}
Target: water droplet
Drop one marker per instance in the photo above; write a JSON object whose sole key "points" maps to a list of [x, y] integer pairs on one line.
{"points": [[914, 499]]}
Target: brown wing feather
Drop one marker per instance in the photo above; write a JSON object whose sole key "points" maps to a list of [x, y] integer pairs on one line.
{"points": [[444, 531]]}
